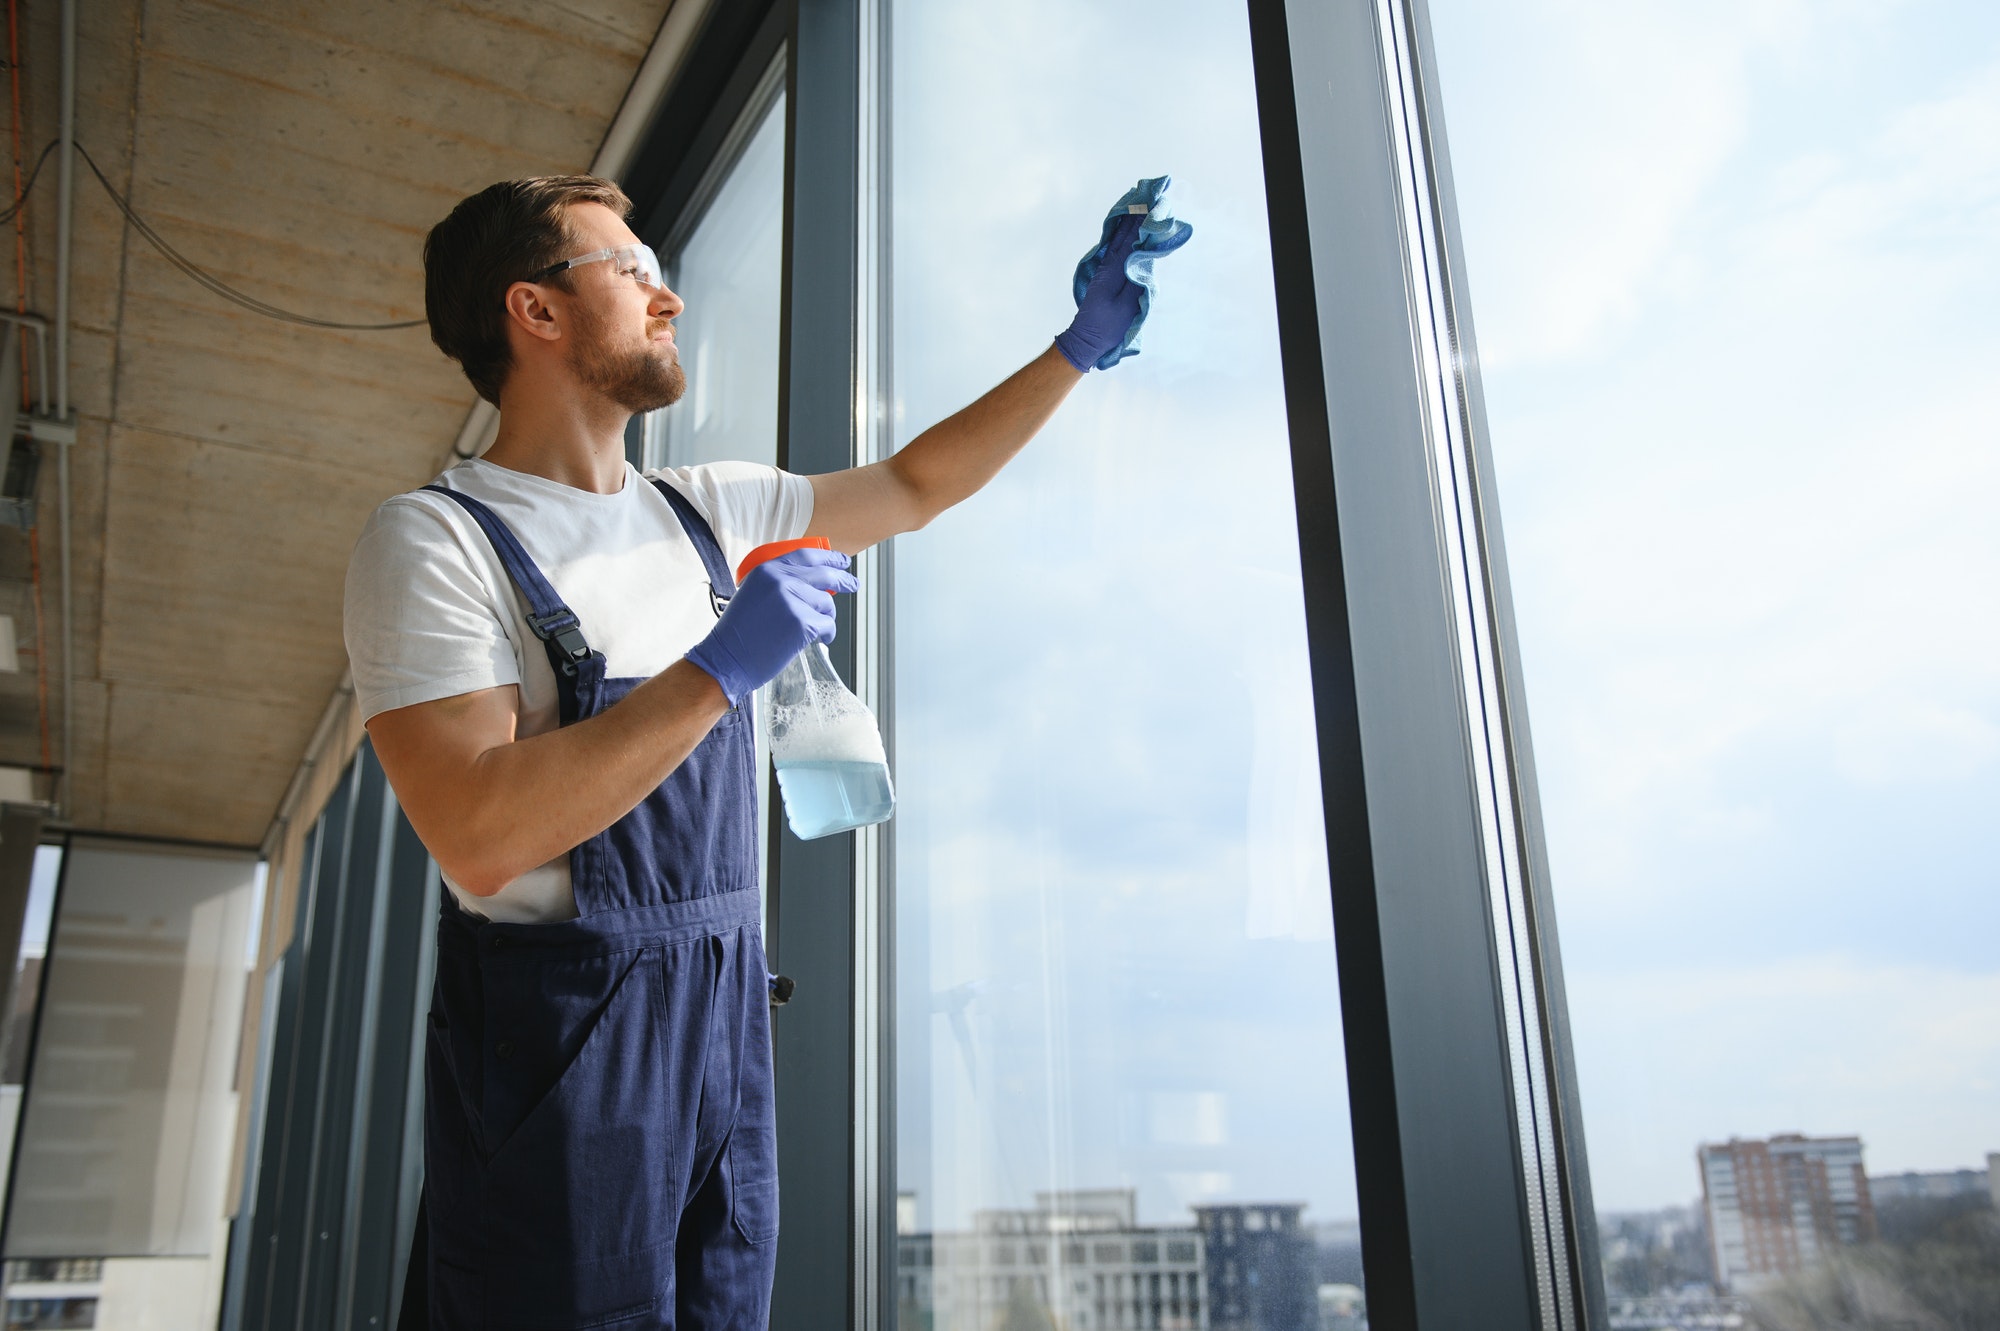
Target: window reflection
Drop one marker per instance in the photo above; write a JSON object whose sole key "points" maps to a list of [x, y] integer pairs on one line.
{"points": [[124, 1132], [727, 269], [1120, 1084], [725, 261], [1733, 276]]}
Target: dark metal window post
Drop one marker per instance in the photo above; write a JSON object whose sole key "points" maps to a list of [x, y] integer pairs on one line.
{"points": [[1475, 1200], [828, 921]]}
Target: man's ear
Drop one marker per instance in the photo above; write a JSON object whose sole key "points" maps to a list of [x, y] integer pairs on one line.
{"points": [[528, 310]]}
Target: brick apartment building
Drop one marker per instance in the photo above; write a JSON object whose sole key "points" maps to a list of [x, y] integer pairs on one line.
{"points": [[1775, 1206]]}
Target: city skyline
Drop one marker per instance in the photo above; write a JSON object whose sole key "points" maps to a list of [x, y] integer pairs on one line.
{"points": [[1730, 266], [1760, 804]]}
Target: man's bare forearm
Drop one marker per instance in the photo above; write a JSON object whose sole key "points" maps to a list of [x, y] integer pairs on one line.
{"points": [[944, 465], [489, 814], [954, 459]]}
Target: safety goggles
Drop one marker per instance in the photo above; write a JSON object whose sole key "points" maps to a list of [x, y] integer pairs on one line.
{"points": [[637, 262]]}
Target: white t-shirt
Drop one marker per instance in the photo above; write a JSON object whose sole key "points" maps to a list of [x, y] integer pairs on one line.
{"points": [[431, 612]]}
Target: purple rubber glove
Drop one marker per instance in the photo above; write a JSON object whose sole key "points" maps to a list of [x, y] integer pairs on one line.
{"points": [[1109, 305], [783, 606]]}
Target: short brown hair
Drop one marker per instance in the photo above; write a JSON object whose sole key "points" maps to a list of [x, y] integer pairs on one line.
{"points": [[491, 240]]}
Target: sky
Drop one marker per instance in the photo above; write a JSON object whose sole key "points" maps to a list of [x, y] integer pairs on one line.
{"points": [[1731, 269], [1115, 961], [1728, 263]]}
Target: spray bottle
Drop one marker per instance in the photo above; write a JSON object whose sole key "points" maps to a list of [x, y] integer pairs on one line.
{"points": [[832, 769]]}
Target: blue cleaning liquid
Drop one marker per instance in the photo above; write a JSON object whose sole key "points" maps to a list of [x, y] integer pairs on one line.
{"points": [[822, 798]]}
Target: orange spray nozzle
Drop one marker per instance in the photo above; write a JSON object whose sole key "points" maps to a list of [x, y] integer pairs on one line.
{"points": [[776, 548]]}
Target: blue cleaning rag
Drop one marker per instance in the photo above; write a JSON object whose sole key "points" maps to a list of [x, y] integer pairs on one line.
{"points": [[1159, 233]]}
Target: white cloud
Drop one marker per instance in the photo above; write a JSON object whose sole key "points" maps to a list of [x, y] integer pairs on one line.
{"points": [[1632, 109], [1766, 528], [1908, 1057], [1747, 455], [1622, 127]]}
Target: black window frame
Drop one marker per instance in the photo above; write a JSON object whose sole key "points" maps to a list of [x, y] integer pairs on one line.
{"points": [[1471, 1173]]}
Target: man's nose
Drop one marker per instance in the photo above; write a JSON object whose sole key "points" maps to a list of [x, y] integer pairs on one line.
{"points": [[665, 303]]}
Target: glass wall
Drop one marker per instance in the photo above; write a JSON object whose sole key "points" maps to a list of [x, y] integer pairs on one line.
{"points": [[1734, 268], [725, 260], [1120, 1089], [131, 1103]]}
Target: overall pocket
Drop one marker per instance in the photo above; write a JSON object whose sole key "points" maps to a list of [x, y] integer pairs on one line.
{"points": [[539, 1017], [577, 1207], [753, 1188]]}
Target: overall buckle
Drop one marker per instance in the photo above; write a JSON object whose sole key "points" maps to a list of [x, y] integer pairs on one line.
{"points": [[563, 629]]}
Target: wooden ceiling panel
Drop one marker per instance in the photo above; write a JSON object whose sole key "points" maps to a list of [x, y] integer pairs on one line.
{"points": [[225, 462], [538, 52], [337, 212], [90, 805], [224, 565], [370, 140], [198, 765], [245, 249], [316, 396], [634, 23], [254, 66], [365, 432]]}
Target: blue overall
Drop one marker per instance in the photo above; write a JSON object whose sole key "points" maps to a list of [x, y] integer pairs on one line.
{"points": [[599, 1145]]}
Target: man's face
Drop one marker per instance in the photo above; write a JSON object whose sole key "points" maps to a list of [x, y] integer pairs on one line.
{"points": [[622, 345]]}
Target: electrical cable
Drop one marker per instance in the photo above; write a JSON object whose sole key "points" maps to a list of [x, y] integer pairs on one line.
{"points": [[13, 210], [14, 136], [215, 284]]}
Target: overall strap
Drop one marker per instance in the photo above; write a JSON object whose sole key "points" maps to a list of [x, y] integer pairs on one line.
{"points": [[721, 582], [553, 622]]}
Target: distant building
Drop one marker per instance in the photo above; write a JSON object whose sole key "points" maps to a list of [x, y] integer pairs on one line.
{"points": [[1774, 1206], [1659, 1252], [1261, 1264], [1079, 1261], [1342, 1307], [1993, 1177], [1935, 1186]]}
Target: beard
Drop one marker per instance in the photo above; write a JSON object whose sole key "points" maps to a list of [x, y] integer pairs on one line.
{"points": [[638, 379]]}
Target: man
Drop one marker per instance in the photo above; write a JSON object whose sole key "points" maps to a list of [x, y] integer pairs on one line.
{"points": [[552, 658]]}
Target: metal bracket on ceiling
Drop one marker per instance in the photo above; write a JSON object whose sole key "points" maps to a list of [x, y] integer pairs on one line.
{"points": [[49, 430]]}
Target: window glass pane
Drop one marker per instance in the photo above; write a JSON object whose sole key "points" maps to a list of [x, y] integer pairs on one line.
{"points": [[727, 271], [16, 1036], [1121, 1098], [131, 1101], [1734, 271]]}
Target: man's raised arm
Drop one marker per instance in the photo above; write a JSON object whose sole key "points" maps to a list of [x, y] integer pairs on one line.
{"points": [[955, 458]]}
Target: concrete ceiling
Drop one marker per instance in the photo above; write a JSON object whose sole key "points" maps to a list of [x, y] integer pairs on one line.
{"points": [[224, 462]]}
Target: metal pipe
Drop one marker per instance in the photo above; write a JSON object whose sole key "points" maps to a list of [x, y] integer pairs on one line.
{"points": [[476, 435], [655, 75], [65, 213]]}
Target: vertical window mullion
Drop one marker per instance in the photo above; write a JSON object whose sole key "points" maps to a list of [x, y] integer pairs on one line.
{"points": [[875, 1122], [817, 916], [1450, 984]]}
